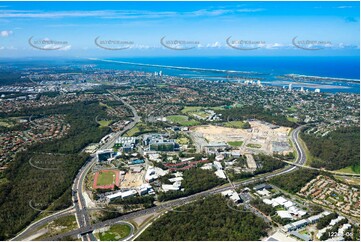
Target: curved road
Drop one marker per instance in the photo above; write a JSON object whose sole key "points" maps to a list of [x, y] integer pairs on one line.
{"points": [[88, 229], [80, 210], [28, 231]]}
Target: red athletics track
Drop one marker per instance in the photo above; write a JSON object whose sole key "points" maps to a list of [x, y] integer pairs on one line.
{"points": [[110, 186]]}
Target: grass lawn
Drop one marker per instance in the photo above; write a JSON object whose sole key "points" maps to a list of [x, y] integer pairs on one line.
{"points": [[104, 105], [116, 232], [235, 143], [133, 131], [256, 146], [58, 226], [140, 128], [193, 109], [200, 114], [177, 118], [183, 141], [291, 119], [349, 169], [292, 109], [182, 120], [5, 124], [105, 178], [68, 221], [105, 123], [235, 124], [8, 122], [190, 109]]}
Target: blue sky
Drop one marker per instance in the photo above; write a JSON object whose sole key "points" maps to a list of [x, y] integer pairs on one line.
{"points": [[321, 28]]}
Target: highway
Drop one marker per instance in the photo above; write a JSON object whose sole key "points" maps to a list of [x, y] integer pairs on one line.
{"points": [[87, 228], [79, 207], [34, 226], [78, 198]]}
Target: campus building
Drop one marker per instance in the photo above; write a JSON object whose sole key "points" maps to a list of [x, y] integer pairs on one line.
{"points": [[126, 144], [104, 155], [160, 142]]}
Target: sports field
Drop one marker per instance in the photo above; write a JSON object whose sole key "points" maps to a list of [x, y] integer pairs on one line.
{"points": [[106, 179], [235, 143], [182, 120]]}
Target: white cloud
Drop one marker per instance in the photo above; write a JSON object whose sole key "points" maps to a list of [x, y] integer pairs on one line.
{"points": [[8, 48], [6, 33], [274, 46], [123, 14], [214, 45]]}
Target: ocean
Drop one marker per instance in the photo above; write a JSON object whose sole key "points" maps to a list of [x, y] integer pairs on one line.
{"points": [[266, 69]]}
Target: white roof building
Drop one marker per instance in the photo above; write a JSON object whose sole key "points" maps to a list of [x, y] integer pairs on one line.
{"points": [[344, 228], [227, 193], [322, 231], [301, 213], [207, 166], [145, 185], [284, 214], [264, 192], [220, 174], [288, 204], [121, 194], [217, 165], [267, 201], [178, 174], [315, 218], [150, 175], [280, 200], [288, 227], [219, 157], [300, 223], [160, 172], [176, 179], [172, 187], [187, 159], [293, 210], [235, 197], [336, 220], [154, 157], [129, 193], [115, 195]]}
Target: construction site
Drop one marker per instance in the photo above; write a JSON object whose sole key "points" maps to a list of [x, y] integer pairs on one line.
{"points": [[262, 137]]}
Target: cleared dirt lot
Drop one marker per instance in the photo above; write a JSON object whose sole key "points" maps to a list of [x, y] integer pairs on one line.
{"points": [[131, 180], [262, 137]]}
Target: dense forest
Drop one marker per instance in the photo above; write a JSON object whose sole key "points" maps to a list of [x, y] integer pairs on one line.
{"points": [[29, 189], [294, 181], [255, 112], [264, 208], [207, 219], [267, 163], [325, 221], [195, 180], [8, 77], [336, 150]]}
